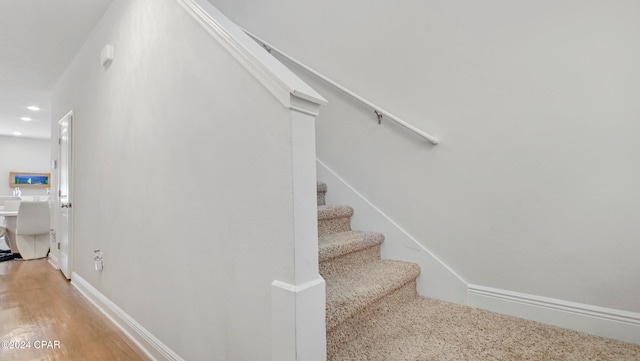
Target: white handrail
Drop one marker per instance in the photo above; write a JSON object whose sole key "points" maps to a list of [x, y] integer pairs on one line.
{"points": [[379, 111]]}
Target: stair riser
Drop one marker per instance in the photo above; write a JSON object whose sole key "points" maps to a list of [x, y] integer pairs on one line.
{"points": [[354, 258], [348, 329], [334, 225]]}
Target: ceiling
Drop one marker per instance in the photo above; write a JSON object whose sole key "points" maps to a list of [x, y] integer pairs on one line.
{"points": [[38, 39]]}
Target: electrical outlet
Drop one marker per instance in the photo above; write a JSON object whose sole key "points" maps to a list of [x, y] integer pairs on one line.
{"points": [[97, 259]]}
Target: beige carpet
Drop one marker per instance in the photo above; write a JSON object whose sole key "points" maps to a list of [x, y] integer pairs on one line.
{"points": [[374, 313], [424, 329]]}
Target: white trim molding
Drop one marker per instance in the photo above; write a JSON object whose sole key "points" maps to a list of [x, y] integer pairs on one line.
{"points": [[147, 342], [436, 280], [296, 313], [53, 262], [272, 74], [607, 322]]}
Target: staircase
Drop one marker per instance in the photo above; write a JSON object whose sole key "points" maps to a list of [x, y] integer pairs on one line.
{"points": [[361, 287], [375, 314]]}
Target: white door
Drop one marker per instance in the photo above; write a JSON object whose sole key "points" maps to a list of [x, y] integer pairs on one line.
{"points": [[65, 170]]}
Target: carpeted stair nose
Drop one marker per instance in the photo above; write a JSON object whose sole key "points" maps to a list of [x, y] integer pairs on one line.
{"points": [[333, 219], [334, 245], [352, 289], [344, 248]]}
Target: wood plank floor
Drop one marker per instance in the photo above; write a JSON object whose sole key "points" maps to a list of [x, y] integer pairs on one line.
{"points": [[43, 317]]}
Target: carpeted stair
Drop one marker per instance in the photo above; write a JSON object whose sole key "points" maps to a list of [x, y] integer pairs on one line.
{"points": [[375, 314], [360, 285]]}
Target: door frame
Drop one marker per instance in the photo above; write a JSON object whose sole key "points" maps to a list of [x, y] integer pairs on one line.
{"points": [[69, 118]]}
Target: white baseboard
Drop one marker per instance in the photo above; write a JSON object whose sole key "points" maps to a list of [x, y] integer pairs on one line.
{"points": [[149, 344], [436, 279], [600, 321], [53, 261]]}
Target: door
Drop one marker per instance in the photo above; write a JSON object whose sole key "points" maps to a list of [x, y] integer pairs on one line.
{"points": [[65, 171]]}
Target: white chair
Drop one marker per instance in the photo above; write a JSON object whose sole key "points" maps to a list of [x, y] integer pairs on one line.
{"points": [[11, 204], [8, 198], [2, 200], [32, 229]]}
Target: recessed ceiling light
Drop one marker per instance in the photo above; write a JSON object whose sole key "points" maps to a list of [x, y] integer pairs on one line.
{"points": [[17, 133], [33, 107], [26, 119]]}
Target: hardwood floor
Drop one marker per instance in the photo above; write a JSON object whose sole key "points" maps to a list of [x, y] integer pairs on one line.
{"points": [[43, 317]]}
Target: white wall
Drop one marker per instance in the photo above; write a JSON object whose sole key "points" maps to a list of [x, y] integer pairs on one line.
{"points": [[534, 187], [23, 155], [183, 180]]}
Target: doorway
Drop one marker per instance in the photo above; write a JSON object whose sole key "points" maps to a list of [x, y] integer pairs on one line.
{"points": [[64, 233]]}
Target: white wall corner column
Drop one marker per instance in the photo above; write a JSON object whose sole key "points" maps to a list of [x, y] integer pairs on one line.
{"points": [[298, 324], [298, 304]]}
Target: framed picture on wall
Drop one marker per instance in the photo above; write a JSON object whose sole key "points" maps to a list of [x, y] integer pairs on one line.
{"points": [[29, 180]]}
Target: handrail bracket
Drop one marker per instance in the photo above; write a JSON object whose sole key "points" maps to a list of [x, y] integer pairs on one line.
{"points": [[379, 116]]}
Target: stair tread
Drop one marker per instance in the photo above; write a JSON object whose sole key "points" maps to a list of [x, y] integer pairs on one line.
{"points": [[334, 211], [351, 289], [337, 244]]}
